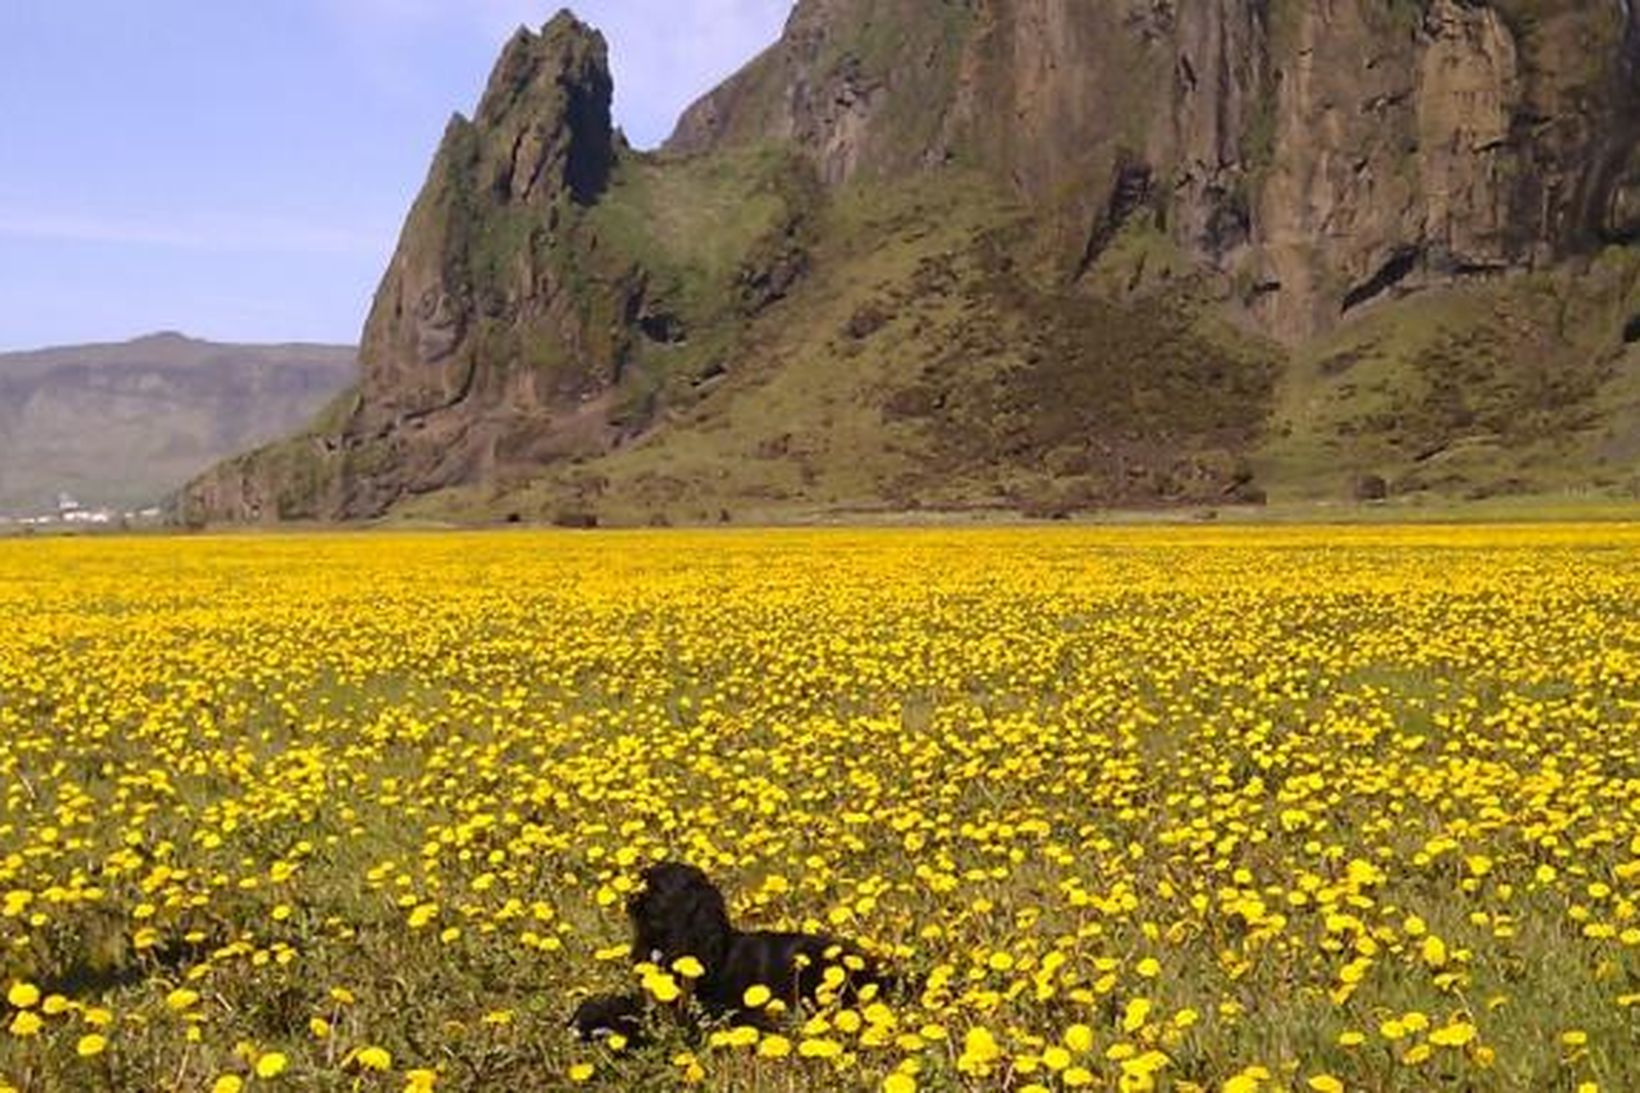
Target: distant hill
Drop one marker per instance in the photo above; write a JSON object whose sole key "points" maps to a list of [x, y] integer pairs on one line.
{"points": [[122, 425]]}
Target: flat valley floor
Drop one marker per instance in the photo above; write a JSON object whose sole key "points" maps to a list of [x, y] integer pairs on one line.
{"points": [[1133, 808]]}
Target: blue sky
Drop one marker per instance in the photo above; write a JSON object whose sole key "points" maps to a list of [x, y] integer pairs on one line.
{"points": [[239, 169]]}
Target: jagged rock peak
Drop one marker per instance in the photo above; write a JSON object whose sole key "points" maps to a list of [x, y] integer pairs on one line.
{"points": [[485, 248], [550, 96]]}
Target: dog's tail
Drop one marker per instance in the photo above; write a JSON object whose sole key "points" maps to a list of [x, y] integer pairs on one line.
{"points": [[895, 984], [892, 983]]}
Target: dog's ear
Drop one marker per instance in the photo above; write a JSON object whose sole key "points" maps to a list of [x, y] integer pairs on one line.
{"points": [[703, 925], [679, 913]]}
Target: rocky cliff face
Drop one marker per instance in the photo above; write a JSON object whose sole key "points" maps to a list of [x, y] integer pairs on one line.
{"points": [[495, 316], [1322, 154], [487, 239], [925, 211]]}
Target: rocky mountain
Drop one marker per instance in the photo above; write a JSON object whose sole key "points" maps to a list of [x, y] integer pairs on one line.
{"points": [[122, 426], [1024, 253]]}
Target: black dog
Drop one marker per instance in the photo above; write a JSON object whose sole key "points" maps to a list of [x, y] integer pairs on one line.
{"points": [[679, 912]]}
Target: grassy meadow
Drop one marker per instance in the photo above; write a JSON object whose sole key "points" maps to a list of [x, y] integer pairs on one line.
{"points": [[1277, 808]]}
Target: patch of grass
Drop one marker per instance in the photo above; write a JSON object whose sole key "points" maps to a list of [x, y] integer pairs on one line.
{"points": [[1518, 386], [692, 222], [908, 371]]}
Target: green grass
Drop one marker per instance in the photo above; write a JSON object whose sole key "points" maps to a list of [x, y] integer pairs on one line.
{"points": [[691, 223], [1520, 386], [798, 382]]}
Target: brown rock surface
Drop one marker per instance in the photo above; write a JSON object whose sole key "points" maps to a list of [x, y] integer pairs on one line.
{"points": [[1318, 147]]}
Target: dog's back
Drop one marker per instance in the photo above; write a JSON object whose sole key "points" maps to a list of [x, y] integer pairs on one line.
{"points": [[793, 966]]}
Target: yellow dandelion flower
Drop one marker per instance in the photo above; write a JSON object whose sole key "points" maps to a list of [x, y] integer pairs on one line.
{"points": [[181, 999], [693, 1072], [662, 987], [26, 1024], [374, 1058], [979, 1051], [1456, 1034]]}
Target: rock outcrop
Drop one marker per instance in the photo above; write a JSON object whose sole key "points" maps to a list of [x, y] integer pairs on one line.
{"points": [[496, 323]]}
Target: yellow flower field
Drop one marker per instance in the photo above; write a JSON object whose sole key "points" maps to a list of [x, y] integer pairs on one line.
{"points": [[1194, 809]]}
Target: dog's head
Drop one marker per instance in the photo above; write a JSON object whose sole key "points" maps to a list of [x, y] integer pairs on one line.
{"points": [[676, 912]]}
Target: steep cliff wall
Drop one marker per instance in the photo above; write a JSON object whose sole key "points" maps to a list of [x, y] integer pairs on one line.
{"points": [[1322, 154], [542, 293], [495, 312]]}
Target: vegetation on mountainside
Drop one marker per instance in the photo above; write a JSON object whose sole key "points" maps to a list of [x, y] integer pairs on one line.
{"points": [[932, 360], [1523, 386]]}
